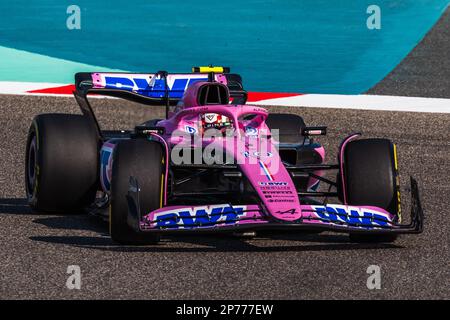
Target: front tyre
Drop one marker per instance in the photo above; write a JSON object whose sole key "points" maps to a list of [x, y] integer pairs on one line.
{"points": [[144, 160], [371, 179]]}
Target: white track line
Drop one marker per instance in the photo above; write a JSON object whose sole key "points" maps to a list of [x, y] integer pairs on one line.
{"points": [[12, 87], [363, 102], [338, 101]]}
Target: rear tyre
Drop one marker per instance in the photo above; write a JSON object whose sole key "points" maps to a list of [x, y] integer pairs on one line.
{"points": [[144, 160], [61, 163], [370, 171], [290, 126]]}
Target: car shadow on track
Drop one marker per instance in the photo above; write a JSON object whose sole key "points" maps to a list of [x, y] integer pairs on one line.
{"points": [[14, 206], [224, 243], [81, 222]]}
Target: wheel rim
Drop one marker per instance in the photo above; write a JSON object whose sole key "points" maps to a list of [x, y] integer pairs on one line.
{"points": [[31, 167]]}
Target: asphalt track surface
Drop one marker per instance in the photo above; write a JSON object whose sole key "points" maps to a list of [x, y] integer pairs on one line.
{"points": [[36, 248], [425, 72]]}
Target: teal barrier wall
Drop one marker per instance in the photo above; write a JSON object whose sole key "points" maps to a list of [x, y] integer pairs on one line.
{"points": [[283, 46]]}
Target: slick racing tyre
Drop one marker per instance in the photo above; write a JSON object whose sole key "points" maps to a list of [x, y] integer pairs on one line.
{"points": [[370, 171], [61, 166], [290, 126], [143, 160]]}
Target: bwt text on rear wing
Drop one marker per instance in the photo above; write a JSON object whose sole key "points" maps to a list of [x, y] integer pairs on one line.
{"points": [[154, 88]]}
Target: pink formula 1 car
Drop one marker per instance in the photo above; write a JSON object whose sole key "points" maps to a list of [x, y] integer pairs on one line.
{"points": [[214, 164]]}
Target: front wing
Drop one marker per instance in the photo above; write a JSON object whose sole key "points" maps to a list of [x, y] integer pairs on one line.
{"points": [[228, 217]]}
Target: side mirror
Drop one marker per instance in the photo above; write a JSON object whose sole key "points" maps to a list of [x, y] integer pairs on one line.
{"points": [[314, 131]]}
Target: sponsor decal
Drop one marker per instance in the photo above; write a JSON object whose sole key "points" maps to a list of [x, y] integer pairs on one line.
{"points": [[210, 117], [265, 170], [277, 192], [186, 218], [257, 154], [272, 183], [150, 87], [250, 131], [290, 211], [190, 129], [352, 215]]}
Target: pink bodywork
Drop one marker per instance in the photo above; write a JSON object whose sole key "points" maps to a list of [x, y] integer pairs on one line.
{"points": [[265, 171], [258, 171]]}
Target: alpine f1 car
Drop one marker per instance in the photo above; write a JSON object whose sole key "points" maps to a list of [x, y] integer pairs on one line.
{"points": [[214, 164]]}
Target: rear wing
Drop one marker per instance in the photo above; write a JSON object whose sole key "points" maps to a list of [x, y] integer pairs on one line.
{"points": [[154, 88], [159, 88]]}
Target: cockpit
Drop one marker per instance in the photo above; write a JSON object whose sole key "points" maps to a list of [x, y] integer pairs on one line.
{"points": [[213, 93]]}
